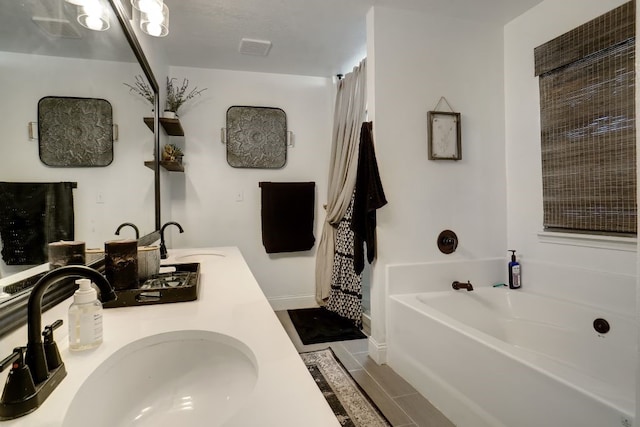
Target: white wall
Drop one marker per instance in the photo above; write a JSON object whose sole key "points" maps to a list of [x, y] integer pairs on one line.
{"points": [[126, 185], [203, 199], [546, 21], [413, 60]]}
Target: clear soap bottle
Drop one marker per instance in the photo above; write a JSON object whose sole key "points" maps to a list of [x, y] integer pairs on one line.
{"points": [[85, 318]]}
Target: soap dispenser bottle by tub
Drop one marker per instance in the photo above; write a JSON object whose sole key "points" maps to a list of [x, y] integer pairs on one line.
{"points": [[514, 272], [85, 318]]}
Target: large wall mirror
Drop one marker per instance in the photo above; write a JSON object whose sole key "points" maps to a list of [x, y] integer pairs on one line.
{"points": [[46, 52]]}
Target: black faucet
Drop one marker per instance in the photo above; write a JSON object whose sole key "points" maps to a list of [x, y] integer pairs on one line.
{"points": [[128, 224], [33, 377], [459, 285], [163, 247]]}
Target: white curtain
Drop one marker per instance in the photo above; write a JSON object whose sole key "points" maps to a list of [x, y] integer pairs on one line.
{"points": [[349, 113]]}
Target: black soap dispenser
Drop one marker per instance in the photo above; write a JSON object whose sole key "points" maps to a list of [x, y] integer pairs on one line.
{"points": [[514, 272]]}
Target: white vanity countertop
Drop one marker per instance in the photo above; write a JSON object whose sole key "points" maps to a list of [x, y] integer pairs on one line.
{"points": [[229, 302]]}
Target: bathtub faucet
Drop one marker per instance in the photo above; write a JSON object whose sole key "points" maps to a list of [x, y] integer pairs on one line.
{"points": [[459, 285]]}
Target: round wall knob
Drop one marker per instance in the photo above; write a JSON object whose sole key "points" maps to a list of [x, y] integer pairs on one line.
{"points": [[601, 325], [447, 242]]}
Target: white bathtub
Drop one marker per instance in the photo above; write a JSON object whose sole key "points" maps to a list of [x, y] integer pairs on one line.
{"points": [[496, 357]]}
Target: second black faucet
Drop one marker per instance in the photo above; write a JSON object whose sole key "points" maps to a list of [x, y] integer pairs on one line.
{"points": [[163, 247]]}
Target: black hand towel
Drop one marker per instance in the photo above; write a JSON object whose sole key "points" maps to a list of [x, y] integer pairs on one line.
{"points": [[369, 196], [31, 216], [287, 216]]}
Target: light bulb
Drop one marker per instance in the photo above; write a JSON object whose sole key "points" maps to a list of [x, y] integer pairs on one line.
{"points": [[93, 16], [156, 22], [155, 16], [150, 6], [93, 8], [154, 29], [94, 22]]}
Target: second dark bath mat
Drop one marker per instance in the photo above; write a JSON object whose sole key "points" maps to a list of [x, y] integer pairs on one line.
{"points": [[317, 325]]}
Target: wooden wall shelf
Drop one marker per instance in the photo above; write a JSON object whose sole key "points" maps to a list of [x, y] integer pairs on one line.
{"points": [[168, 165], [171, 126]]}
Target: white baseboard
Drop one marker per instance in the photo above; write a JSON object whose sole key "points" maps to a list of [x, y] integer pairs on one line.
{"points": [[292, 302], [377, 351], [366, 324]]}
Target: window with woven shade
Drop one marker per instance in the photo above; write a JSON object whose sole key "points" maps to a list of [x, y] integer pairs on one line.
{"points": [[587, 117]]}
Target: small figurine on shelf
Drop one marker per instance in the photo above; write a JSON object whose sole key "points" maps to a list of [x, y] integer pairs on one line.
{"points": [[177, 96], [172, 153], [141, 87]]}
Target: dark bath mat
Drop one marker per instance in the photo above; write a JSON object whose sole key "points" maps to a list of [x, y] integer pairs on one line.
{"points": [[316, 325]]}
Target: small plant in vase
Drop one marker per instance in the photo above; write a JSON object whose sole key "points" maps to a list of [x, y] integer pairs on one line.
{"points": [[172, 153], [178, 95], [142, 88]]}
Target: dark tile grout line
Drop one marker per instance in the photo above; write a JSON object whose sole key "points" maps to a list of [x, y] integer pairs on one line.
{"points": [[405, 395], [393, 399]]}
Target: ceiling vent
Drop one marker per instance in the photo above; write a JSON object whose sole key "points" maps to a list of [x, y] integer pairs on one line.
{"points": [[56, 27], [255, 47]]}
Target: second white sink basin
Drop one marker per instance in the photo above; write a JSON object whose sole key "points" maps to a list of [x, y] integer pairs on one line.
{"points": [[198, 256], [181, 378]]}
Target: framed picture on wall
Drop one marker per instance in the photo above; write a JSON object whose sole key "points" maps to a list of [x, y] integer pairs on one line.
{"points": [[444, 135]]}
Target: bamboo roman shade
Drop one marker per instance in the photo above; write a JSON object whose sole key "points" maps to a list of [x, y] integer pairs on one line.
{"points": [[587, 115]]}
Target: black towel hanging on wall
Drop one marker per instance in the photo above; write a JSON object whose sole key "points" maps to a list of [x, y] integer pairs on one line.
{"points": [[287, 216], [31, 216]]}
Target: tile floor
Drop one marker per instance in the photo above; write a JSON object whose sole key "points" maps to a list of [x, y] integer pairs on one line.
{"points": [[398, 400]]}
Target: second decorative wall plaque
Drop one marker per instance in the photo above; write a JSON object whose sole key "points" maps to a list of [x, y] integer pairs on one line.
{"points": [[256, 137]]}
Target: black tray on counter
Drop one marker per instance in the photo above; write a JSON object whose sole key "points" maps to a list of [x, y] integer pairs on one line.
{"points": [[178, 286]]}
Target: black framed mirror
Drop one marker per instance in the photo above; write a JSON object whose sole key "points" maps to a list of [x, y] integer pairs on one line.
{"points": [[45, 51]]}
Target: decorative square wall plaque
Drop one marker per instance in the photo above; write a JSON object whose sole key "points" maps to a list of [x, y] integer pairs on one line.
{"points": [[256, 137], [75, 132]]}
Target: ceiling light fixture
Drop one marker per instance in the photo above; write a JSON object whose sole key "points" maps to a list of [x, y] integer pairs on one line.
{"points": [[155, 21], [93, 15]]}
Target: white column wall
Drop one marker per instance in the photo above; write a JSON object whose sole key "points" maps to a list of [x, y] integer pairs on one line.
{"points": [[414, 59]]}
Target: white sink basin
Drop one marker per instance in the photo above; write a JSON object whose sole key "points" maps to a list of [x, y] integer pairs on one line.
{"points": [[197, 256], [182, 378]]}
